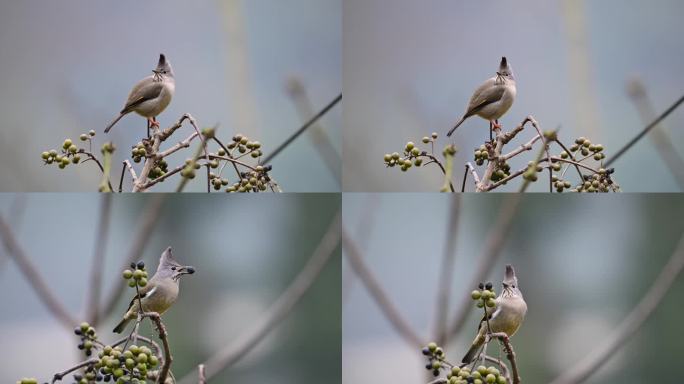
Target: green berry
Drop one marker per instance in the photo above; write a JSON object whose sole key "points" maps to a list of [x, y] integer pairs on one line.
{"points": [[491, 303], [476, 295], [142, 282], [432, 346]]}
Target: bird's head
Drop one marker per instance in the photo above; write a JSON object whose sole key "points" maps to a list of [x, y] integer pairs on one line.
{"points": [[168, 267], [163, 68], [505, 71], [510, 283]]}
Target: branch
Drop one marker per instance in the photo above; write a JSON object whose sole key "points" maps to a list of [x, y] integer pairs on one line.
{"points": [[662, 141], [301, 130], [510, 354], [644, 132], [352, 253], [143, 234], [93, 302], [233, 352], [447, 273], [495, 241], [154, 316], [202, 376], [34, 277], [630, 325], [60, 375]]}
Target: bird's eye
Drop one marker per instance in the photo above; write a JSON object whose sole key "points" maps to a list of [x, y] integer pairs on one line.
{"points": [[173, 268]]}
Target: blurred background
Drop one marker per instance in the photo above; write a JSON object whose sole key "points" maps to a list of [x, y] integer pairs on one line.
{"points": [[582, 266], [410, 68], [67, 68], [246, 252]]}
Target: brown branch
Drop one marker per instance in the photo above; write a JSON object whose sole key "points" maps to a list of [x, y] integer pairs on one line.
{"points": [[490, 254], [353, 254], [510, 355], [447, 273], [148, 221], [604, 350], [163, 336], [34, 277], [93, 301], [275, 314]]}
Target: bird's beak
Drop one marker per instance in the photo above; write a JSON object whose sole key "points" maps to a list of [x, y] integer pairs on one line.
{"points": [[156, 72], [186, 270]]}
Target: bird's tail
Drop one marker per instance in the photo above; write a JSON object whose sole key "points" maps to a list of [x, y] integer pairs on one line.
{"points": [[114, 122], [456, 126], [122, 325], [472, 352]]}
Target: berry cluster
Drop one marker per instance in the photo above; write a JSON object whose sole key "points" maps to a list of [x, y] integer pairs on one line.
{"points": [[484, 295], [88, 338], [123, 366], [414, 156], [68, 154], [586, 148], [256, 180], [460, 375], [245, 146], [137, 275]]}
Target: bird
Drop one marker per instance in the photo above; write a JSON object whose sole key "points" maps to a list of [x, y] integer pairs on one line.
{"points": [[493, 98], [151, 95], [507, 317], [160, 292]]}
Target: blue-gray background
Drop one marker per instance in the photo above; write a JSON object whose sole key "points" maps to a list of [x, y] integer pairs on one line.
{"points": [[67, 67], [582, 266], [246, 249], [409, 68]]}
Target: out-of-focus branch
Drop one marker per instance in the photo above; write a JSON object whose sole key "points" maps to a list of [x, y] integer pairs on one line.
{"points": [[637, 92], [279, 309], [602, 351], [34, 277], [319, 137], [93, 299], [60, 375], [643, 132], [301, 130], [447, 272], [353, 254], [148, 221], [492, 249], [202, 375]]}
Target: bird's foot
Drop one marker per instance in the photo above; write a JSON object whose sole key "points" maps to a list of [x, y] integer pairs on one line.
{"points": [[153, 123], [495, 124]]}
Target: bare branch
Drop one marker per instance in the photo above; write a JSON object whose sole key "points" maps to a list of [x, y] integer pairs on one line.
{"points": [[301, 130], [59, 376], [34, 277], [490, 254], [510, 355], [605, 349], [93, 301], [163, 336], [353, 254], [447, 273], [233, 352]]}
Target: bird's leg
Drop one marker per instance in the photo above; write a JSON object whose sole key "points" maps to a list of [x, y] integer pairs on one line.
{"points": [[148, 128], [496, 124], [491, 138]]}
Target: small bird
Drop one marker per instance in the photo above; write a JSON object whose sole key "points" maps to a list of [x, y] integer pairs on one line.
{"points": [[151, 95], [493, 98], [160, 292], [507, 317]]}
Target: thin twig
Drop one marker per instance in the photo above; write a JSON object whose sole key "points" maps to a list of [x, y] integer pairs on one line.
{"points": [[644, 131], [447, 273], [249, 339], [34, 277], [163, 336], [93, 301], [59, 376], [600, 352], [666, 149], [492, 249], [143, 234], [301, 130], [353, 254]]}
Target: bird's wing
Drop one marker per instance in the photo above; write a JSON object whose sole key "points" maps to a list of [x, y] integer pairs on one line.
{"points": [[143, 293], [489, 317], [487, 93], [146, 89]]}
